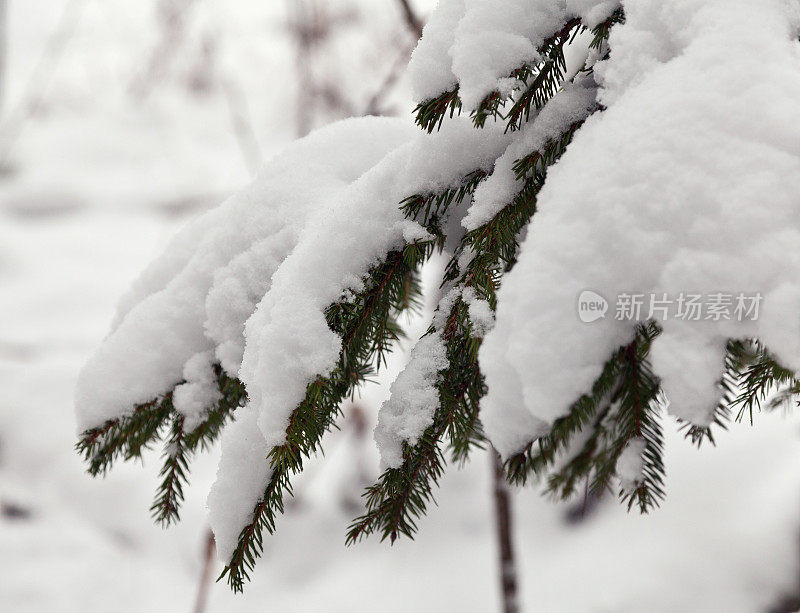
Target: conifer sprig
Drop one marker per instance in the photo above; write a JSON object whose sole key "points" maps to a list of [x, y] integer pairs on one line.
{"points": [[169, 495], [623, 405], [402, 494], [738, 354], [127, 437], [542, 80], [760, 374], [431, 113], [181, 445], [429, 209], [601, 31], [537, 82], [751, 375], [368, 328], [539, 455], [638, 418]]}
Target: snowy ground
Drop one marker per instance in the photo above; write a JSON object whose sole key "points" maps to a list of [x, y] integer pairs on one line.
{"points": [[100, 185]]}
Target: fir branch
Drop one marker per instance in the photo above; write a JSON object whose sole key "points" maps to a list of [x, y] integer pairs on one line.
{"points": [[430, 114], [182, 445], [234, 395], [631, 412], [461, 384], [751, 374], [601, 31], [737, 354], [368, 328], [562, 482], [430, 208], [536, 162], [541, 454], [128, 436], [760, 375], [401, 495], [623, 405], [545, 78], [169, 494], [638, 417]]}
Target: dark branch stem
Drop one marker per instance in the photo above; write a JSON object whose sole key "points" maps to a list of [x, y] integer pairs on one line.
{"points": [[502, 514], [205, 577], [413, 22]]}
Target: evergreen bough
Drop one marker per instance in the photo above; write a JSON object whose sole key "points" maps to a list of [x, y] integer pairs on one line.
{"points": [[581, 450]]}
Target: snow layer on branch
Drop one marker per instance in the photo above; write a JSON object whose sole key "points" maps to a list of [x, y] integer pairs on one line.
{"points": [[227, 256], [631, 464], [572, 104], [199, 391], [490, 40], [236, 290], [288, 341], [242, 477], [430, 66], [692, 189], [414, 397], [480, 312]]}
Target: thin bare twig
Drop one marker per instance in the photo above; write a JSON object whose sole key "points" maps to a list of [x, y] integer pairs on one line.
{"points": [[502, 514], [205, 577], [413, 22]]}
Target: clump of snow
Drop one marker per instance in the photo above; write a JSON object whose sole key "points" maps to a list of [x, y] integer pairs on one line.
{"points": [[630, 465], [242, 477], [288, 341], [288, 338], [236, 290], [478, 43], [414, 398], [481, 315], [198, 294], [430, 66], [671, 189], [199, 392]]}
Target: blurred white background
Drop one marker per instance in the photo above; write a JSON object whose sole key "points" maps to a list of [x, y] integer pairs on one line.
{"points": [[120, 120]]}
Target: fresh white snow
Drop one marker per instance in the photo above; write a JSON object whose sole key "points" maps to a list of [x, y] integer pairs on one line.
{"points": [[199, 392], [101, 181], [490, 39], [630, 464], [414, 398], [671, 189]]}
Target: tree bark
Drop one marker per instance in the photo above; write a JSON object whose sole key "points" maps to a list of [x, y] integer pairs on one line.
{"points": [[503, 521]]}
